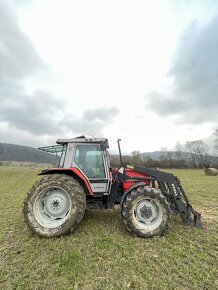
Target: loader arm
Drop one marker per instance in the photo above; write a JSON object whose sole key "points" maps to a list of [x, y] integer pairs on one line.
{"points": [[171, 187]]}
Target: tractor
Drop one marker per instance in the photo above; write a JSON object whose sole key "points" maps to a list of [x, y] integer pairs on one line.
{"points": [[84, 179]]}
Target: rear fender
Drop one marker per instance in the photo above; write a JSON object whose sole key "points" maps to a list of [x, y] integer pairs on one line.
{"points": [[75, 172]]}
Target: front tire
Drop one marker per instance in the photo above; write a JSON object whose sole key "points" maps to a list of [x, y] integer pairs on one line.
{"points": [[54, 206], [145, 212]]}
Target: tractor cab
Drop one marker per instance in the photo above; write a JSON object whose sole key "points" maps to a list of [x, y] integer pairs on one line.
{"points": [[88, 157]]}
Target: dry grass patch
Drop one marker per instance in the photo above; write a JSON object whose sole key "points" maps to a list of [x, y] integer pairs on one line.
{"points": [[101, 254]]}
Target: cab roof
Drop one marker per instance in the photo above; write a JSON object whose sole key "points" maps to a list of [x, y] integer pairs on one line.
{"points": [[83, 139]]}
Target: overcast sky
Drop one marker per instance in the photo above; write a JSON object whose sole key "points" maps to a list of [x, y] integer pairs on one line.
{"points": [[143, 71]]}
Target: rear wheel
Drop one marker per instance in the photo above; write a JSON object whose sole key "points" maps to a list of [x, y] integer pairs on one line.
{"points": [[145, 212], [54, 206]]}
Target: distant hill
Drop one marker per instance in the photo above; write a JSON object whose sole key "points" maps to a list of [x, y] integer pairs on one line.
{"points": [[157, 154], [12, 152]]}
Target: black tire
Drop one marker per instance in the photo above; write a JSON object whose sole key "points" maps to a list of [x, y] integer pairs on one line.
{"points": [[145, 212], [54, 206]]}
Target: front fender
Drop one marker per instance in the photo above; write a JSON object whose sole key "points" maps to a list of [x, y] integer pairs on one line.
{"points": [[135, 185]]}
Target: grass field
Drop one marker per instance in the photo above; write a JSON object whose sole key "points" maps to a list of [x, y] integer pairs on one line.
{"points": [[101, 254]]}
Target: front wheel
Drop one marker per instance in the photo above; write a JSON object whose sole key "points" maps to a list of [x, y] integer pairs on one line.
{"points": [[54, 206], [145, 212]]}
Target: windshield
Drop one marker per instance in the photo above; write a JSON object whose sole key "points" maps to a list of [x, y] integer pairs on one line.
{"points": [[90, 160]]}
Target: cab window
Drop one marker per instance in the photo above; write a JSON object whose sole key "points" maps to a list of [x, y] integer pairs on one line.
{"points": [[62, 157], [90, 160]]}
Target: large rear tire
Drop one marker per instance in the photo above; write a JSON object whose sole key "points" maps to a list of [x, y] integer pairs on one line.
{"points": [[54, 206], [145, 212]]}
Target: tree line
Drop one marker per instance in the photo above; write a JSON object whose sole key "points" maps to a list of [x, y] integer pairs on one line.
{"points": [[193, 154]]}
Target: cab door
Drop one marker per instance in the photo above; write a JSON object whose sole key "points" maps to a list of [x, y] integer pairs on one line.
{"points": [[91, 160]]}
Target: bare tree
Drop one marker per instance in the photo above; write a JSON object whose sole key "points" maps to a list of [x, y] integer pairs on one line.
{"points": [[216, 141], [127, 159], [163, 149], [181, 159], [167, 159], [136, 157], [198, 153], [178, 151], [149, 162]]}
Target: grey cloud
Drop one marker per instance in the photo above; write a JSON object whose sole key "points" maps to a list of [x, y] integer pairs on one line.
{"points": [[42, 114], [36, 113], [102, 114], [16, 136], [164, 105], [19, 61], [194, 96], [92, 121], [18, 58], [39, 113]]}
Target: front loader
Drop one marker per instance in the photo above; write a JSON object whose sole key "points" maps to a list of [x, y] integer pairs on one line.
{"points": [[56, 203]]}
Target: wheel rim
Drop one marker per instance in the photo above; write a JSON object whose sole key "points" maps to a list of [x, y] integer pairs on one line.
{"points": [[52, 207], [148, 214]]}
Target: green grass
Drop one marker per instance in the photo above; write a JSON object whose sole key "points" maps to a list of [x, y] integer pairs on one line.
{"points": [[101, 254], [27, 164]]}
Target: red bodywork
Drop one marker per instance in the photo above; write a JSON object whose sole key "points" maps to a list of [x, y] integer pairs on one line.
{"points": [[126, 184], [132, 173], [80, 174]]}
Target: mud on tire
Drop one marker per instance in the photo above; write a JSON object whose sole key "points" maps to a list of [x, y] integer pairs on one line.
{"points": [[145, 212], [54, 206]]}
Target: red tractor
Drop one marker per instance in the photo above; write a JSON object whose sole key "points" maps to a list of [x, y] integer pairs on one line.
{"points": [[56, 203]]}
